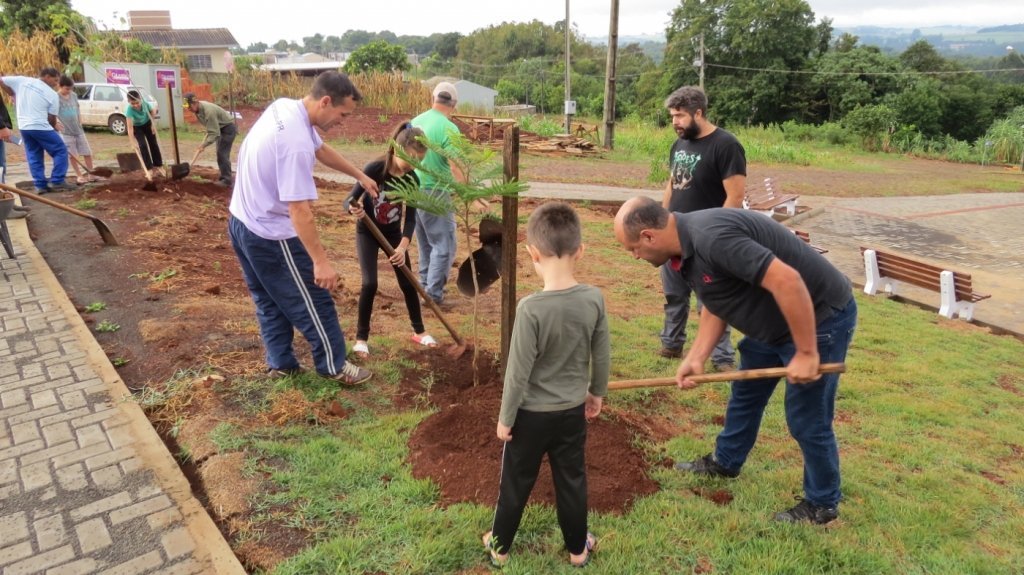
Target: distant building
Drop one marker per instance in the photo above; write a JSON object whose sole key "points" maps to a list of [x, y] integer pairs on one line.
{"points": [[471, 95], [308, 64], [204, 47]]}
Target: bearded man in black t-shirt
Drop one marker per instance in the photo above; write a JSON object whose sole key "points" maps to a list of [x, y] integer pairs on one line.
{"points": [[707, 169]]}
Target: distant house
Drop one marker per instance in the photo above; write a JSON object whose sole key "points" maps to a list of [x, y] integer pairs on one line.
{"points": [[204, 47], [472, 96]]}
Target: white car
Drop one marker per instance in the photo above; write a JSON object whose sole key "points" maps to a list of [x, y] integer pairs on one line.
{"points": [[104, 104]]}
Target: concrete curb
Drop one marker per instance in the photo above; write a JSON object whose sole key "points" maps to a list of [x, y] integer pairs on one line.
{"points": [[211, 547]]}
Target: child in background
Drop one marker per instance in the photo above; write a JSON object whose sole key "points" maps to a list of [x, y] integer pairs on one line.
{"points": [[387, 214], [71, 130], [556, 378]]}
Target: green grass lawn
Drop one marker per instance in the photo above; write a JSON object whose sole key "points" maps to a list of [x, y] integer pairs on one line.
{"points": [[929, 424]]}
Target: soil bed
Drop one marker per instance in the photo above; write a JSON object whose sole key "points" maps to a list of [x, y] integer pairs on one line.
{"points": [[175, 293]]}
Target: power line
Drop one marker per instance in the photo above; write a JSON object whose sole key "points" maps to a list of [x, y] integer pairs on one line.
{"points": [[902, 73]]}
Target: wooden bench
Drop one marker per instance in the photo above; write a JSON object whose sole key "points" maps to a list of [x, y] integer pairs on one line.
{"points": [[766, 200], [884, 270], [806, 237]]}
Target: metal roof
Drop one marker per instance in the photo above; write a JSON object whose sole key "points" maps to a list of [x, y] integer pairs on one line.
{"points": [[185, 38]]}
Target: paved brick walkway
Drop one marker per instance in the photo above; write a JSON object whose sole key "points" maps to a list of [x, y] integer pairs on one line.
{"points": [[86, 485]]}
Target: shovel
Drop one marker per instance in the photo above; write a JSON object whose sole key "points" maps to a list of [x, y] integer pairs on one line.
{"points": [[460, 344], [178, 170], [150, 185], [101, 172], [105, 233], [773, 372]]}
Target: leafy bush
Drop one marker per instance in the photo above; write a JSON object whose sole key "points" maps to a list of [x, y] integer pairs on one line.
{"points": [[1006, 137], [871, 123]]}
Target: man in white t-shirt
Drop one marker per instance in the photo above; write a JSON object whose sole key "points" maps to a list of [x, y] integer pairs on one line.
{"points": [[273, 230], [37, 106]]}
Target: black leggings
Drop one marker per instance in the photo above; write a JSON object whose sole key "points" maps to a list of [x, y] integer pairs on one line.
{"points": [[148, 147], [367, 248]]}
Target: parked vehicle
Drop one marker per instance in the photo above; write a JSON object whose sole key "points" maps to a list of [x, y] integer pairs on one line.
{"points": [[104, 104]]}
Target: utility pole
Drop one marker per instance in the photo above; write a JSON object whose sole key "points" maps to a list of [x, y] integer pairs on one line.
{"points": [[701, 61], [609, 81], [569, 108]]}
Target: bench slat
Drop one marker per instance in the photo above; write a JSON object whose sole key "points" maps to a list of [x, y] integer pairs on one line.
{"points": [[923, 275]]}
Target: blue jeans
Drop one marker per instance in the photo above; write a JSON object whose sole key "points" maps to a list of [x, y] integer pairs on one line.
{"points": [[810, 408], [436, 237], [279, 274], [677, 312], [37, 141]]}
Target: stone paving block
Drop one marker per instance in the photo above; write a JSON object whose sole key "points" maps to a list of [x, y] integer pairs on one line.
{"points": [[90, 435], [41, 561], [58, 433], [15, 552], [162, 519], [102, 506], [140, 564], [109, 458], [16, 450], [120, 436], [177, 543], [14, 527], [33, 415], [92, 535], [83, 566], [44, 399], [119, 516], [108, 477], [36, 476], [94, 418], [72, 477], [8, 473], [29, 369], [25, 432], [58, 370], [16, 410], [147, 490], [116, 421], [73, 399], [50, 532], [80, 454], [65, 416], [131, 465], [13, 397], [55, 453], [10, 490]]}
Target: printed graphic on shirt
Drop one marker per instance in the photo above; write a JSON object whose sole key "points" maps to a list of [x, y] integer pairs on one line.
{"points": [[684, 164], [385, 211]]}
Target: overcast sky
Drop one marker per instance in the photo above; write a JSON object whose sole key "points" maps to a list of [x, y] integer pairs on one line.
{"points": [[293, 19]]}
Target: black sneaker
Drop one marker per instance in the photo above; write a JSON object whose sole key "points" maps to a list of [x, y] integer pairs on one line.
{"points": [[805, 511], [706, 466]]}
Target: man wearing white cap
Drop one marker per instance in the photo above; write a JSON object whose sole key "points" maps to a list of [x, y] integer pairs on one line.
{"points": [[436, 233]]}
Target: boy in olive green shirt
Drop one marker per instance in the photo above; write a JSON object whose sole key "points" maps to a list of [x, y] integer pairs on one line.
{"points": [[556, 378]]}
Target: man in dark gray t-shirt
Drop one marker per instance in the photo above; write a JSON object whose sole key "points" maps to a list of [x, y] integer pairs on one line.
{"points": [[795, 309]]}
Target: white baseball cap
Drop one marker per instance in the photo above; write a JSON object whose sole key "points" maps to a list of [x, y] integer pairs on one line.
{"points": [[445, 93]]}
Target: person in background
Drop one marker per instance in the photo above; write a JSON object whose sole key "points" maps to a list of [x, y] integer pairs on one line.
{"points": [[37, 106], [220, 130], [556, 379], [387, 215], [5, 136], [707, 169], [70, 124], [273, 229], [436, 233], [141, 129]]}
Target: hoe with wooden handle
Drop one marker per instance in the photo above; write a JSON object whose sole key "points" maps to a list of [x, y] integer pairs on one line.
{"points": [[773, 372]]}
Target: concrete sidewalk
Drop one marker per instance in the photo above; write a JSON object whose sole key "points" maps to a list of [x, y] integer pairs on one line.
{"points": [[86, 484]]}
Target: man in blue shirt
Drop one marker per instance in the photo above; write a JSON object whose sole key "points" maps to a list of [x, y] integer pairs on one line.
{"points": [[37, 106]]}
